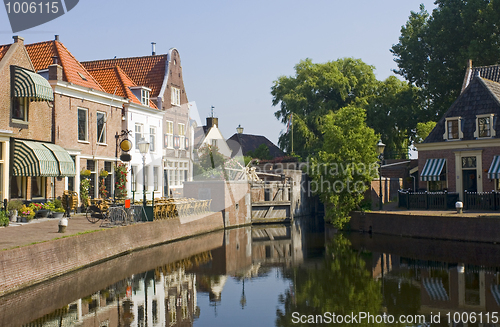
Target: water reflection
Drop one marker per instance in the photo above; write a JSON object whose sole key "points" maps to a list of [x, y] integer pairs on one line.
{"points": [[261, 275]]}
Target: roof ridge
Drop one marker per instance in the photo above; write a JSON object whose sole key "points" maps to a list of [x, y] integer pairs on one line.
{"points": [[496, 65], [485, 82], [136, 57]]}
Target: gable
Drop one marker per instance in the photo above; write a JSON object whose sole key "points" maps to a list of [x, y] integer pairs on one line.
{"points": [[481, 97]]}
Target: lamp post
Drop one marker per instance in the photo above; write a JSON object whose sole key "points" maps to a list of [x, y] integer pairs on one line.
{"points": [[143, 149], [239, 129], [380, 148]]}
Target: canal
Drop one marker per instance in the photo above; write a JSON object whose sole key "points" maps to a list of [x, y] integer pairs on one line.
{"points": [[282, 275]]}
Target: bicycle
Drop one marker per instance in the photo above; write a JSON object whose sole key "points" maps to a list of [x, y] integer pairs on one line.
{"points": [[102, 210]]}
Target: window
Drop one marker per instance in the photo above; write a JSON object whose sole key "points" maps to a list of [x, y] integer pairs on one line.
{"points": [[145, 97], [176, 96], [169, 134], [152, 138], [182, 132], [214, 143], [138, 135], [133, 177], [156, 176], [108, 181], [20, 109], [146, 177], [82, 124], [38, 187], [16, 187], [453, 129], [484, 126], [101, 127], [91, 165]]}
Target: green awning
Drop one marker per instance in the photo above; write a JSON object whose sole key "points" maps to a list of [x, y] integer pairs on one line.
{"points": [[27, 84], [494, 171], [65, 163], [33, 159], [432, 170]]}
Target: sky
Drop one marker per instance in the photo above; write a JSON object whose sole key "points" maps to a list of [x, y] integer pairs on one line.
{"points": [[231, 50]]}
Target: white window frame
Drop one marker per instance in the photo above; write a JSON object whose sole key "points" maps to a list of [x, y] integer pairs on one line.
{"points": [[459, 124], [140, 132], [103, 127], [492, 129], [176, 96], [86, 125], [181, 128], [169, 132], [133, 178], [156, 178], [152, 139], [145, 97]]}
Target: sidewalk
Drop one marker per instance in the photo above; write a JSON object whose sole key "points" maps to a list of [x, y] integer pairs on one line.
{"points": [[392, 208], [42, 229]]}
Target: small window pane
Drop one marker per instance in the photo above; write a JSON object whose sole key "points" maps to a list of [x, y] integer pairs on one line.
{"points": [[82, 125]]}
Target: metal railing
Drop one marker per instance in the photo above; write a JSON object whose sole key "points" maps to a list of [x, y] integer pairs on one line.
{"points": [[427, 200], [482, 200]]}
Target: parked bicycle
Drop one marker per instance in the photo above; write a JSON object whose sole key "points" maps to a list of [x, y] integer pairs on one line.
{"points": [[103, 210]]}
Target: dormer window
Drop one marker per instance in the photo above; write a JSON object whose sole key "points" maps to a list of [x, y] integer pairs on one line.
{"points": [[452, 129], [145, 97], [484, 126], [142, 93]]}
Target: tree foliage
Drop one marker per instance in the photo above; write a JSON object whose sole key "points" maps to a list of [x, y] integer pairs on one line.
{"points": [[423, 130], [210, 157], [262, 153], [315, 91], [346, 164], [433, 49]]}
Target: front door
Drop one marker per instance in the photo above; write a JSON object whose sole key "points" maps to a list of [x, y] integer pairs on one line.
{"points": [[469, 179]]}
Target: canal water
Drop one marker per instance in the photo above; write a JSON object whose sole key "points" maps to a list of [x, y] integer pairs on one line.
{"points": [[284, 275]]}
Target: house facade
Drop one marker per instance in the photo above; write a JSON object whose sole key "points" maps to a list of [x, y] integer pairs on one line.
{"points": [[32, 167], [162, 75], [210, 134], [462, 153]]}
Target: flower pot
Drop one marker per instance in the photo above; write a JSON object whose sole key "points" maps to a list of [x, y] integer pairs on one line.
{"points": [[13, 215], [42, 213], [58, 215], [22, 219]]}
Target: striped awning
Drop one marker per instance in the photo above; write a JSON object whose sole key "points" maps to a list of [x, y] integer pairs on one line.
{"points": [[27, 84], [41, 159], [65, 163], [494, 172], [432, 170], [435, 289], [495, 291]]}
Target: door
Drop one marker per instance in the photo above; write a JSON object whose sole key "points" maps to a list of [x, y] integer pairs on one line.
{"points": [[469, 178]]}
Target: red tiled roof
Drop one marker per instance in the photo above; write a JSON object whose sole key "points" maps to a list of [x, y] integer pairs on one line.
{"points": [[115, 78], [146, 71], [73, 72], [3, 50]]}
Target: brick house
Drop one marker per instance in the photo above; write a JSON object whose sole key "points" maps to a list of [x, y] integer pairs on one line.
{"points": [[162, 74], [462, 153], [30, 163], [143, 119], [85, 117]]}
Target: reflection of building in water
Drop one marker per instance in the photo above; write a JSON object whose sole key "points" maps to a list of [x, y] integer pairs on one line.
{"points": [[443, 287]]}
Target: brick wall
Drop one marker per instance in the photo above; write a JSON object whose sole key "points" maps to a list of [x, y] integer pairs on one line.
{"points": [[35, 263]]}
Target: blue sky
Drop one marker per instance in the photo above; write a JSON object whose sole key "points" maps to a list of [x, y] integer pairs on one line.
{"points": [[232, 51]]}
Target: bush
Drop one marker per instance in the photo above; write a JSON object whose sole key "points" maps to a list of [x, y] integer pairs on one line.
{"points": [[27, 212], [4, 218], [14, 205], [57, 204]]}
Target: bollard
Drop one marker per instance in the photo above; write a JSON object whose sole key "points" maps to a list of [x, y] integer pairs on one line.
{"points": [[63, 223], [459, 206]]}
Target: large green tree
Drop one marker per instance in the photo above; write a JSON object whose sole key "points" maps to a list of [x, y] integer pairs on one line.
{"points": [[316, 90], [434, 49], [345, 165]]}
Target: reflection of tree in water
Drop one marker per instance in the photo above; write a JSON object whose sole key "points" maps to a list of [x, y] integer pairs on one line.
{"points": [[341, 284]]}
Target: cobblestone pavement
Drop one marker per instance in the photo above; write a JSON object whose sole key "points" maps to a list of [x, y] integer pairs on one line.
{"points": [[42, 229]]}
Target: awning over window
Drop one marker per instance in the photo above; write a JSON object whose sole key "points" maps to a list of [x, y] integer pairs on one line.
{"points": [[41, 159], [65, 163], [27, 84], [432, 170], [494, 172], [435, 289]]}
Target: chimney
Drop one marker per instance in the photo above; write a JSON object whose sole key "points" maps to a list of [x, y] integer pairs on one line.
{"points": [[153, 45], [212, 121], [468, 73], [18, 39], [54, 60], [57, 38], [55, 71]]}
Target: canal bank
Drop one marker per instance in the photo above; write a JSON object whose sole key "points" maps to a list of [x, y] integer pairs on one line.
{"points": [[440, 225], [30, 264]]}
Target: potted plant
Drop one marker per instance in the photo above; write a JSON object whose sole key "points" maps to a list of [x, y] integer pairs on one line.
{"points": [[58, 213], [42, 210], [27, 213], [13, 207], [4, 218], [103, 192]]}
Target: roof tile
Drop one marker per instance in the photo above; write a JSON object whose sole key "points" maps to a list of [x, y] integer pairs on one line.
{"points": [[3, 50]]}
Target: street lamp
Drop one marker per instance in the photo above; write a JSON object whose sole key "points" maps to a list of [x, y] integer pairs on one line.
{"points": [[143, 149], [239, 129], [380, 148]]}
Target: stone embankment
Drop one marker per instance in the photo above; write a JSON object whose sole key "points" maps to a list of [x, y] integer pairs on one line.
{"points": [[27, 265]]}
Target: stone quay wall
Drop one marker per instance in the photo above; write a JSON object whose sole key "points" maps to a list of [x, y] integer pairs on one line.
{"points": [[471, 229], [32, 264]]}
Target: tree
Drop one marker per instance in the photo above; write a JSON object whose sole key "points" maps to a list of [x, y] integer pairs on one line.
{"points": [[433, 49], [315, 91], [393, 112], [262, 153], [346, 164], [210, 157], [423, 130]]}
